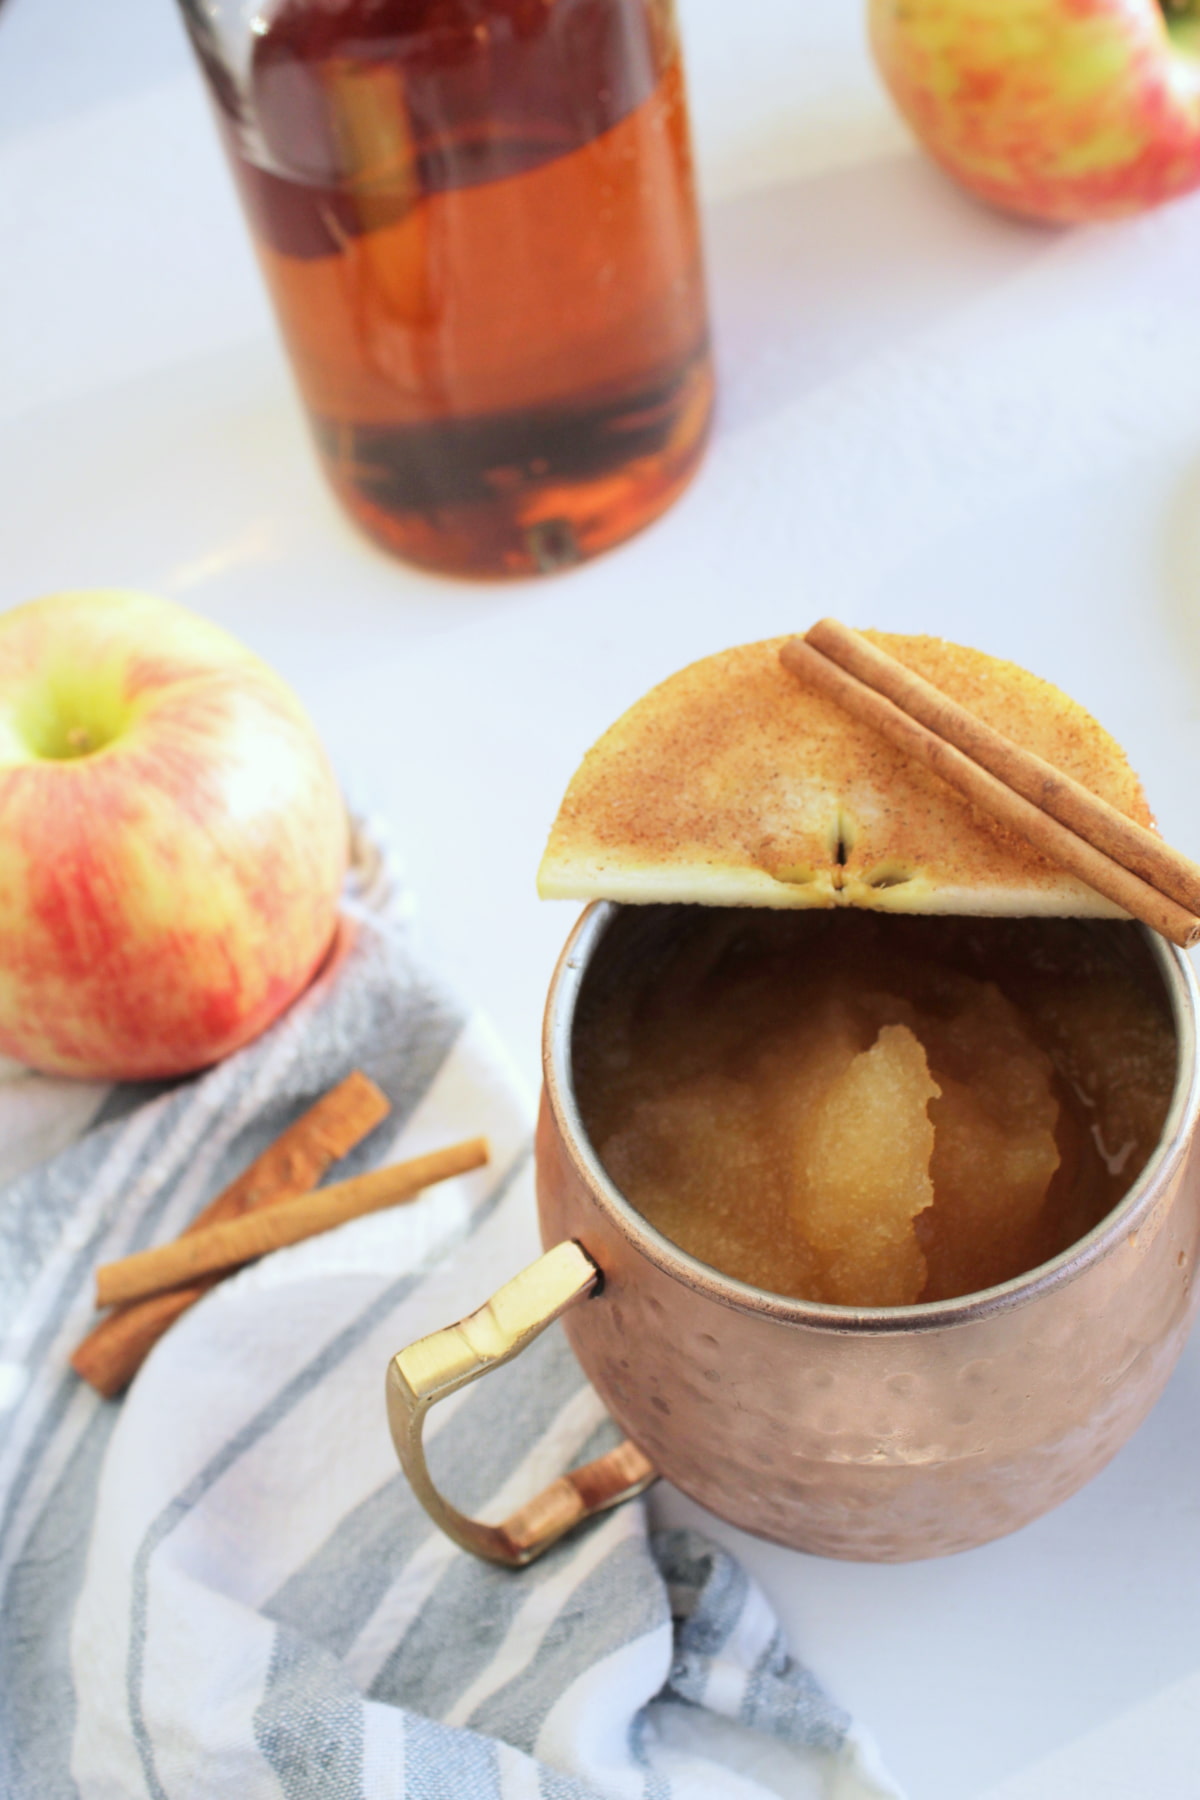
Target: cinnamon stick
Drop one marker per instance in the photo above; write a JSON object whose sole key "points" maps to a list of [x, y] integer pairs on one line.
{"points": [[1067, 848], [574, 1496], [113, 1352], [228, 1245], [1065, 799]]}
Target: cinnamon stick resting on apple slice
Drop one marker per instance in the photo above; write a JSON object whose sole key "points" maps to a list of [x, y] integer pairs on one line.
{"points": [[733, 784], [227, 1246], [113, 1351], [1074, 828]]}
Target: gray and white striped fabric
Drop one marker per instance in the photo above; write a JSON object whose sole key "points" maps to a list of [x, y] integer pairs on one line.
{"points": [[222, 1587]]}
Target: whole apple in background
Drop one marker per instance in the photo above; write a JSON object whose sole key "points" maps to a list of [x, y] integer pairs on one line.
{"points": [[172, 840], [1056, 109]]}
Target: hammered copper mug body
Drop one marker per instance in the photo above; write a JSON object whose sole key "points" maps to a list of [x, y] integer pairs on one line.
{"points": [[877, 1433]]}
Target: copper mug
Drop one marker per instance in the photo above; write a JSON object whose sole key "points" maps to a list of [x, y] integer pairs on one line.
{"points": [[881, 1434]]}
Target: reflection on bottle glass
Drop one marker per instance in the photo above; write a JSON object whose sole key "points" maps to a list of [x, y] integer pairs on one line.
{"points": [[478, 225]]}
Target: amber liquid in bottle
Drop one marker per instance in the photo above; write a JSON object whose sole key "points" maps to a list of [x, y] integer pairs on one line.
{"points": [[478, 225]]}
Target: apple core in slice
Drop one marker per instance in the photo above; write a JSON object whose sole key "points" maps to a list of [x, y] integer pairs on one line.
{"points": [[735, 784]]}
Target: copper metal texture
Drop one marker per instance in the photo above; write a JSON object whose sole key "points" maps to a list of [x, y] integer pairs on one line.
{"points": [[881, 1434]]}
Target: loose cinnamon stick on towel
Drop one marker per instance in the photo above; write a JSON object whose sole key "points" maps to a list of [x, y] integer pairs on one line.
{"points": [[1069, 849], [227, 1246], [112, 1353]]}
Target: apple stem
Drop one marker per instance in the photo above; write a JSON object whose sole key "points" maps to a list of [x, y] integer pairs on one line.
{"points": [[79, 739]]}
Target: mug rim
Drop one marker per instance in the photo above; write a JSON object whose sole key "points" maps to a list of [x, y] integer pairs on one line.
{"points": [[566, 983]]}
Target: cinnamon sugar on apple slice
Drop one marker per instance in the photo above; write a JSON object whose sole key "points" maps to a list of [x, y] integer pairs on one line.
{"points": [[732, 784]]}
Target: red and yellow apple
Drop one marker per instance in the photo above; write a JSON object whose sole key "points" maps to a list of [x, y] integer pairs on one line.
{"points": [[1056, 109], [172, 840]]}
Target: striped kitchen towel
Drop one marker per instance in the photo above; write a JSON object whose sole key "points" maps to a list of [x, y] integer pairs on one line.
{"points": [[221, 1588]]}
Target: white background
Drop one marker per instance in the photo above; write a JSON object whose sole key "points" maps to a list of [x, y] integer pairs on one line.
{"points": [[931, 419]]}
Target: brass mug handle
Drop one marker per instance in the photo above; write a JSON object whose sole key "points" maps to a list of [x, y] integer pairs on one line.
{"points": [[447, 1360]]}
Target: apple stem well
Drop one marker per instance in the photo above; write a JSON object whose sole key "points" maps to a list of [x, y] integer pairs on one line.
{"points": [[1183, 23], [73, 717]]}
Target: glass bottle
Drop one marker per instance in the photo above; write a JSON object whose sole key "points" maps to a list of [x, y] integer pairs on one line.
{"points": [[477, 222]]}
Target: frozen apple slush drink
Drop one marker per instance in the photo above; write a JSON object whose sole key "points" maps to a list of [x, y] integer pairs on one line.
{"points": [[867, 1159]]}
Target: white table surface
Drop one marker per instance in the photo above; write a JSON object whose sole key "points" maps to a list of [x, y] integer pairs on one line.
{"points": [[931, 419]]}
